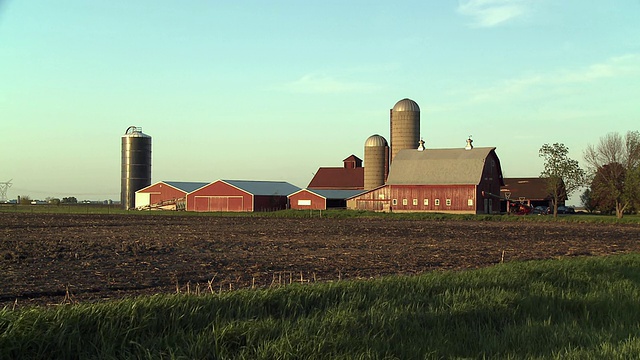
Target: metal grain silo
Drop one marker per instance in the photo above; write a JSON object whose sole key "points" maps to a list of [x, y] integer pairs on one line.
{"points": [[405, 126], [136, 165], [376, 161]]}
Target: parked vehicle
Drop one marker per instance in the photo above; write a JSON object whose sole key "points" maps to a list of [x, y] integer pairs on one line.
{"points": [[566, 210], [541, 210]]}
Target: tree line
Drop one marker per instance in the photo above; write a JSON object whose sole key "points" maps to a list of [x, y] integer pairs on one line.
{"points": [[612, 174]]}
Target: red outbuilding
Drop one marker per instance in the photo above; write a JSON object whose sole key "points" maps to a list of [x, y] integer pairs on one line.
{"points": [[307, 199], [241, 195], [165, 195]]}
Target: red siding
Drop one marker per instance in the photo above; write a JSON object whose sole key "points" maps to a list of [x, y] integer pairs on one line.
{"points": [[433, 198], [316, 202], [219, 196], [162, 192]]}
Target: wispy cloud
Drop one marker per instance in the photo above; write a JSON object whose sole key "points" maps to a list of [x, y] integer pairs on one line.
{"points": [[324, 84], [490, 13], [558, 81]]}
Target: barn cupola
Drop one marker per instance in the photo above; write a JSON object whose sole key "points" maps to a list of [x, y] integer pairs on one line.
{"points": [[421, 145], [352, 162], [469, 145]]}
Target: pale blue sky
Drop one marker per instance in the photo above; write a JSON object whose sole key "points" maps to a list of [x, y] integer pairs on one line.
{"points": [[272, 90]]}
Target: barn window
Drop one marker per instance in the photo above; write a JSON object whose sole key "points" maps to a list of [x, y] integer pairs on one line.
{"points": [[437, 202], [404, 202], [448, 202], [395, 202], [415, 202], [426, 202], [470, 202], [381, 196]]}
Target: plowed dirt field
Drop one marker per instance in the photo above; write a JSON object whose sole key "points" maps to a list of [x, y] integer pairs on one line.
{"points": [[58, 258]]}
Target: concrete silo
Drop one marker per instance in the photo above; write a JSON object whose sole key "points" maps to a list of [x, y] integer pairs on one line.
{"points": [[136, 165], [405, 126], [376, 161]]}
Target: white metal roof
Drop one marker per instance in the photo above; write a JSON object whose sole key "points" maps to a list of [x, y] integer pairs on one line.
{"points": [[264, 187]]}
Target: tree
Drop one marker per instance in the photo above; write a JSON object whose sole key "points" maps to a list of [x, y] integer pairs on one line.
{"points": [[563, 175], [25, 200], [69, 200], [588, 201], [613, 165]]}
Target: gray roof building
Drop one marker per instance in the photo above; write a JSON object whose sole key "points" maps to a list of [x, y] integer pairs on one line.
{"points": [[439, 166]]}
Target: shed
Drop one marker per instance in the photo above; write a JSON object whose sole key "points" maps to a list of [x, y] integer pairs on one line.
{"points": [[532, 191], [241, 195], [307, 199], [438, 180], [165, 194]]}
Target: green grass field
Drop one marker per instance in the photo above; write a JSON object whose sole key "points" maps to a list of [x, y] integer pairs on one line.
{"points": [[580, 308]]}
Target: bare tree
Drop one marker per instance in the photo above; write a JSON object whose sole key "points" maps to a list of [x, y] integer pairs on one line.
{"points": [[563, 175], [615, 161]]}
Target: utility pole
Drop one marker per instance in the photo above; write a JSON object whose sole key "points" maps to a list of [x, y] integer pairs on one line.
{"points": [[4, 186]]}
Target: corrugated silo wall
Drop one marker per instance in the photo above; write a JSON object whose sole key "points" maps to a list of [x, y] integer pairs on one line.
{"points": [[136, 168], [405, 131], [374, 166]]}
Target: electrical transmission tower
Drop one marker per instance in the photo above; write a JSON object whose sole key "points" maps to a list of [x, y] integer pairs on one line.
{"points": [[3, 190]]}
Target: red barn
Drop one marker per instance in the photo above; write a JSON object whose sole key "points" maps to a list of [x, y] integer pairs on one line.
{"points": [[165, 194], [348, 177], [241, 195], [306, 199], [438, 180]]}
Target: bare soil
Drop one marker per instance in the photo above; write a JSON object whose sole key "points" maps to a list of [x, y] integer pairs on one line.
{"points": [[49, 259]]}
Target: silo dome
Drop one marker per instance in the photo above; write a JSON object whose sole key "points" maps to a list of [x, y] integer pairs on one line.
{"points": [[376, 161], [376, 140], [406, 105], [405, 126]]}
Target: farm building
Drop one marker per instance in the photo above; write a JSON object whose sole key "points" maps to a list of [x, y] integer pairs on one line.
{"points": [[464, 180], [167, 195], [241, 195], [307, 199], [529, 191], [348, 177]]}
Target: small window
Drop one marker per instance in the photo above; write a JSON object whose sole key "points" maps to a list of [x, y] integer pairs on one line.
{"points": [[426, 202], [448, 202], [381, 196], [404, 202], [394, 201], [470, 202], [437, 202], [415, 202]]}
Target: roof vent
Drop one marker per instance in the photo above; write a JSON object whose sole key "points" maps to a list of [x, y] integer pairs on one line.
{"points": [[469, 145], [421, 146]]}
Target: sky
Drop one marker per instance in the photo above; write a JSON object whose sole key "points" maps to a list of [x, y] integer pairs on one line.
{"points": [[273, 90]]}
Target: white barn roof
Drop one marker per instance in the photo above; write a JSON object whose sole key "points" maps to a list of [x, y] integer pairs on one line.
{"points": [[439, 166]]}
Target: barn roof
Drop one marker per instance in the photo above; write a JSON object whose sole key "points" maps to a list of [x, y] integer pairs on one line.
{"points": [[337, 194], [533, 188], [264, 187], [338, 178], [439, 166], [186, 186]]}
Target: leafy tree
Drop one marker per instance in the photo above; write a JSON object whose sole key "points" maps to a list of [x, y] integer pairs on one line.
{"points": [[53, 201], [613, 165], [69, 200], [563, 175], [25, 200], [588, 201]]}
